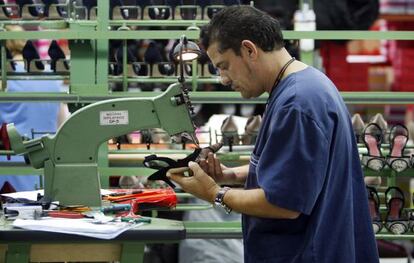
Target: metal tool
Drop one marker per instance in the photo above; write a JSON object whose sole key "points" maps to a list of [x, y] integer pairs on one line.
{"points": [[21, 211]]}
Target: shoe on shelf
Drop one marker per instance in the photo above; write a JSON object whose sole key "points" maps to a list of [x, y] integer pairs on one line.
{"points": [[373, 181], [410, 128], [372, 138], [129, 182], [358, 125], [251, 130], [382, 123], [373, 205], [229, 131], [159, 135], [395, 222], [398, 140], [30, 54]]}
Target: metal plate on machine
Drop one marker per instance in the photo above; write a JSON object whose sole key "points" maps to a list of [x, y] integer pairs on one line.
{"points": [[113, 117]]}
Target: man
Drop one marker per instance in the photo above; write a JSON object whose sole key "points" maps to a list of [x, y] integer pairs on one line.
{"points": [[304, 198]]}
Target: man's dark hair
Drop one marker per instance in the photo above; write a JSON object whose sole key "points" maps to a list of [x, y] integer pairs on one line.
{"points": [[234, 24]]}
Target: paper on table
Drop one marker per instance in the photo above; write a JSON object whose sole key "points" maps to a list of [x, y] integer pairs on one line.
{"points": [[83, 227], [32, 195]]}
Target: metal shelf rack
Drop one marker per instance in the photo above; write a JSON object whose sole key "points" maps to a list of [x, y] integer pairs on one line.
{"points": [[89, 78]]}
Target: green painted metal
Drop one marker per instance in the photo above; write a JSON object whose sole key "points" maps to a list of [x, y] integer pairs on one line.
{"points": [[21, 170], [192, 207], [157, 23], [3, 65], [102, 47], [128, 171], [394, 237], [206, 97], [194, 34], [349, 35], [132, 252], [83, 70], [69, 158], [307, 57], [17, 169], [103, 163], [194, 82], [226, 230], [18, 253], [213, 80], [24, 76], [45, 24], [76, 34]]}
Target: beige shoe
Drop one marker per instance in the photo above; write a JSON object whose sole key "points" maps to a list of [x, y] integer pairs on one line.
{"points": [[160, 136], [410, 127], [251, 130], [358, 125], [382, 123], [129, 182], [229, 131], [374, 181], [154, 135]]}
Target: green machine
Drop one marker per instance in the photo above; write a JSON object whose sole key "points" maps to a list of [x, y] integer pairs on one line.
{"points": [[69, 157]]}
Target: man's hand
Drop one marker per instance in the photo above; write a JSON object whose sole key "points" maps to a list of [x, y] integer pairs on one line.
{"points": [[220, 173], [200, 184]]}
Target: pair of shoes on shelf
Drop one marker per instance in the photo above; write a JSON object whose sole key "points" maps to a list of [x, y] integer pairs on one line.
{"points": [[229, 131], [373, 137], [395, 221], [359, 125], [251, 130]]}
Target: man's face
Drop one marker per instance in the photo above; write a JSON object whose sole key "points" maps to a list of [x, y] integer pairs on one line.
{"points": [[235, 71]]}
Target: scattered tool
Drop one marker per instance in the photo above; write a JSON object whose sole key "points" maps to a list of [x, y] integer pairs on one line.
{"points": [[125, 193], [139, 219], [59, 214], [116, 208], [21, 211]]}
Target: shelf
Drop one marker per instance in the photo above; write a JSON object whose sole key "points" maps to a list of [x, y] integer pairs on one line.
{"points": [[194, 34], [395, 237], [163, 23], [206, 97], [45, 24], [165, 80], [398, 17], [226, 230]]}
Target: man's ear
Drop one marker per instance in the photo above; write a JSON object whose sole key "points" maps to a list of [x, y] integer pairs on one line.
{"points": [[249, 49]]}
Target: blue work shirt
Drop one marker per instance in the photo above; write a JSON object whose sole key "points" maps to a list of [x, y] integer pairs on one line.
{"points": [[306, 160], [39, 116]]}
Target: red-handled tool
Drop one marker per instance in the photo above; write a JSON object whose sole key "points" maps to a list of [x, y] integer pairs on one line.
{"points": [[63, 214]]}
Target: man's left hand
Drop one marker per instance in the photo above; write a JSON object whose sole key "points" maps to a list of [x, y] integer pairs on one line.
{"points": [[200, 184]]}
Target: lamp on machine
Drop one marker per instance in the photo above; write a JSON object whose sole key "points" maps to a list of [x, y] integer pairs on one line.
{"points": [[185, 51]]}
